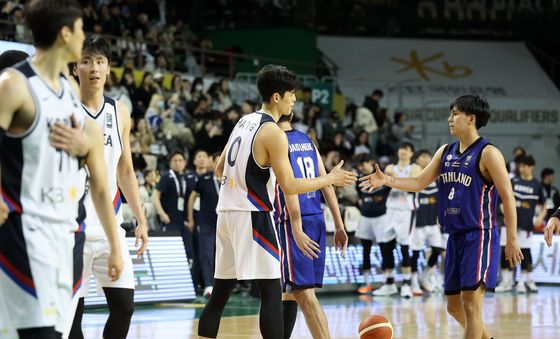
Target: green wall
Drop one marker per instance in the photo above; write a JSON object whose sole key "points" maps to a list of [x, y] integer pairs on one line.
{"points": [[289, 44]]}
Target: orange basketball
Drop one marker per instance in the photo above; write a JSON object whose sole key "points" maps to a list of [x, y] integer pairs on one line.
{"points": [[375, 327]]}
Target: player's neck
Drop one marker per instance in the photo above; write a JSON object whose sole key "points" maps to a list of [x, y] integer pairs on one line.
{"points": [[49, 64], [270, 110], [403, 163], [467, 139], [201, 170], [527, 177], [93, 99]]}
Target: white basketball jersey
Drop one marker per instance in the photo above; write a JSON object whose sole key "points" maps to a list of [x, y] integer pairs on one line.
{"points": [[245, 185], [401, 199], [108, 121], [37, 179]]}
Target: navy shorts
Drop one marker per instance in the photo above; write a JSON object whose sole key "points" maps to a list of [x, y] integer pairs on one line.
{"points": [[298, 271], [472, 260]]}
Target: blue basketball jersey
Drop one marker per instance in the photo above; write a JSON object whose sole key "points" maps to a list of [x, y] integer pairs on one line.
{"points": [[466, 200], [303, 157]]}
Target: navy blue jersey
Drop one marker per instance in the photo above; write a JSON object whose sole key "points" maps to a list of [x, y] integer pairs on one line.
{"points": [[208, 187], [528, 193], [426, 214], [466, 200], [372, 204]]}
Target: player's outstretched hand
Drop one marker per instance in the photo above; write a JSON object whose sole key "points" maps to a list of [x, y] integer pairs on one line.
{"points": [[374, 180], [513, 253], [552, 228], [340, 241], [115, 264], [141, 233], [308, 247], [69, 139], [342, 177], [4, 211]]}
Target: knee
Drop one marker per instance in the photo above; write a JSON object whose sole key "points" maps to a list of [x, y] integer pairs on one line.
{"points": [[470, 308], [305, 298]]}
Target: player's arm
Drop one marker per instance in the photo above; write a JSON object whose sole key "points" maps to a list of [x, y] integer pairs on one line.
{"points": [[219, 170], [12, 87], [95, 162], [415, 171], [156, 195], [127, 181], [275, 144], [340, 236], [190, 210], [492, 162], [552, 227], [416, 184], [307, 246]]}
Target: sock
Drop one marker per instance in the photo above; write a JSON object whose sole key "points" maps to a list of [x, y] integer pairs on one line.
{"points": [[389, 276], [525, 276], [367, 277], [506, 276]]}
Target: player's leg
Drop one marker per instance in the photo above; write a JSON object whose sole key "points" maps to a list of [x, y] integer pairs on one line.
{"points": [[206, 256], [289, 311], [404, 228], [79, 243], [224, 280], [366, 236], [385, 236], [271, 321], [314, 315], [417, 245], [88, 256], [472, 307], [506, 273], [525, 242]]}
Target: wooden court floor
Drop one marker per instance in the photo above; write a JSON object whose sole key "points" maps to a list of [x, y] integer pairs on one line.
{"points": [[506, 315]]}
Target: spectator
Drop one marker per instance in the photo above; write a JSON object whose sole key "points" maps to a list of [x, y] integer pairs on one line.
{"points": [[365, 121], [155, 112], [197, 89], [144, 93], [362, 145], [224, 99], [141, 141], [371, 102], [513, 165], [331, 126], [146, 190]]}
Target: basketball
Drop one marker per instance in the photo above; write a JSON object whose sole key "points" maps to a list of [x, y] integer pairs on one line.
{"points": [[375, 327]]}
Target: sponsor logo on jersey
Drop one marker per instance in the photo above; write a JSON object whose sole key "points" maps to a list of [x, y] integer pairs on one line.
{"points": [[456, 177], [109, 120]]}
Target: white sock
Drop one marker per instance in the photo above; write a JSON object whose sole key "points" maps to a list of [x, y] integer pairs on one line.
{"points": [[506, 275], [407, 276], [524, 276], [527, 276], [367, 277]]}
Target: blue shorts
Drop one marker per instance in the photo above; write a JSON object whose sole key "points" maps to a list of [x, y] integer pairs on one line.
{"points": [[298, 271], [472, 259]]}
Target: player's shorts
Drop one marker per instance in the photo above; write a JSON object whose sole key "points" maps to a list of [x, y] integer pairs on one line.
{"points": [[472, 260], [367, 226], [426, 235], [35, 271], [246, 246], [298, 271], [96, 262], [525, 238], [396, 224], [444, 239]]}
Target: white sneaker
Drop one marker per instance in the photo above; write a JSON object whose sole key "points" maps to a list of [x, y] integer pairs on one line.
{"points": [[532, 286], [521, 288], [504, 286], [426, 281], [416, 290], [406, 291], [208, 291], [386, 290]]}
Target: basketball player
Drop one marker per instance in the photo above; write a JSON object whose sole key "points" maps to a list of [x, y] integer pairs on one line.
{"points": [[427, 231], [246, 244], [528, 194], [40, 176], [471, 174], [372, 209], [302, 232], [113, 118], [398, 224]]}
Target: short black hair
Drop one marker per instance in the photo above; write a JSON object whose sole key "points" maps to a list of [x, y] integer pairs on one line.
{"points": [[527, 160], [97, 45], [546, 172], [377, 91], [406, 144], [397, 117], [363, 157], [275, 79], [174, 153], [199, 151], [473, 105], [11, 57], [421, 152], [46, 18]]}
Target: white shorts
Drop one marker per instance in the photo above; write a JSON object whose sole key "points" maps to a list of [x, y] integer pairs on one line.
{"points": [[96, 258], [444, 239], [246, 246], [426, 236], [36, 266], [396, 224], [366, 227], [523, 237]]}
